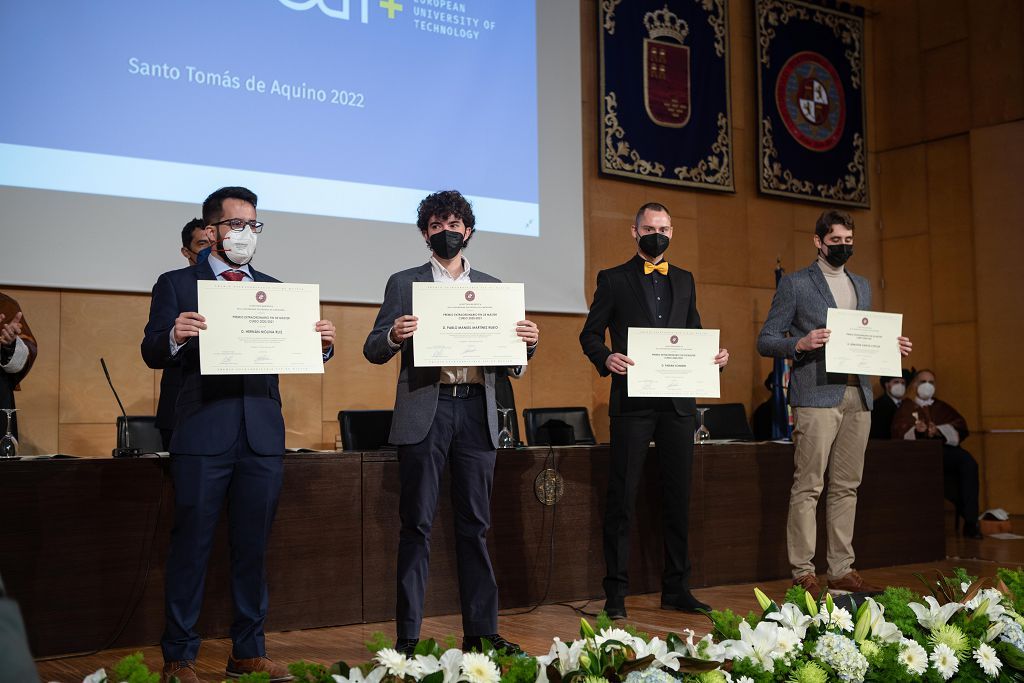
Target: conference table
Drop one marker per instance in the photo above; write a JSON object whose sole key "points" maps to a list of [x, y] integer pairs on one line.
{"points": [[83, 542]]}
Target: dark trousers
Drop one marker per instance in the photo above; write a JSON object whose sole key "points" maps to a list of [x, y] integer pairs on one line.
{"points": [[459, 437], [251, 484], [960, 479], [631, 437]]}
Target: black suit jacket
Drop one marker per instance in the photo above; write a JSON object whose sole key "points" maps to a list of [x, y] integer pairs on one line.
{"points": [[882, 413], [210, 408], [619, 303]]}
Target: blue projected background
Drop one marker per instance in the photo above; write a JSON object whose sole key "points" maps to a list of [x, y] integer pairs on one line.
{"points": [[351, 106]]}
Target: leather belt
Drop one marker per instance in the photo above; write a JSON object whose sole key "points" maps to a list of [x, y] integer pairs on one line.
{"points": [[462, 390]]}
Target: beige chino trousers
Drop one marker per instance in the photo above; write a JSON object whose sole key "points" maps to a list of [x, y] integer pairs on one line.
{"points": [[833, 438]]}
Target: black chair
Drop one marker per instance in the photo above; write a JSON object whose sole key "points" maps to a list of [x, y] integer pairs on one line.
{"points": [[142, 433], [504, 397], [727, 421], [365, 430], [534, 420]]}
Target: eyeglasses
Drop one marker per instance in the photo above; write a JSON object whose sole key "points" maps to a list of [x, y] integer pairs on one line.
{"points": [[237, 224]]}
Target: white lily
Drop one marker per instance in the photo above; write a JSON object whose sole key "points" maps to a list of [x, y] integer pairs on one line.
{"points": [[788, 641], [792, 617], [758, 644], [566, 656], [934, 615], [451, 664], [994, 607], [427, 664], [355, 675], [659, 649], [98, 676], [882, 630]]}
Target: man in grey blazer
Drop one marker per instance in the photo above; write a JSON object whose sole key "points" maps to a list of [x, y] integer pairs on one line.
{"points": [[442, 416], [832, 415]]}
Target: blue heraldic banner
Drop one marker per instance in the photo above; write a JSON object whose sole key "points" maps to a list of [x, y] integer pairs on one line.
{"points": [[810, 82], [665, 92]]}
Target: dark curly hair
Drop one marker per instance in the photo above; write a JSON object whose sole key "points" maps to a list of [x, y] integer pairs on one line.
{"points": [[444, 204], [827, 219]]}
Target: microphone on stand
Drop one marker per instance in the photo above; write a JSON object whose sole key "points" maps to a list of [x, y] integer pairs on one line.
{"points": [[125, 451]]}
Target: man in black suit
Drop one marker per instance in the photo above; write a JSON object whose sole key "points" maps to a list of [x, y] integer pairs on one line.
{"points": [[884, 408], [228, 444], [193, 242], [645, 292]]}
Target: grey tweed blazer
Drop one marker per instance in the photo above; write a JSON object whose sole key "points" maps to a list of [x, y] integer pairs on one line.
{"points": [[800, 305]]}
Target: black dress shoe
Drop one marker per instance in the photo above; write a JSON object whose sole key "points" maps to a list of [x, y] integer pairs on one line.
{"points": [[471, 643], [615, 609], [683, 601], [406, 646], [973, 531]]}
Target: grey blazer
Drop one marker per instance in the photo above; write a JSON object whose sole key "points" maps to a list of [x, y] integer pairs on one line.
{"points": [[416, 396], [800, 305]]}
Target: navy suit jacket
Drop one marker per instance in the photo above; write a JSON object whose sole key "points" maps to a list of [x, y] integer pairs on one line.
{"points": [[209, 409], [619, 304]]}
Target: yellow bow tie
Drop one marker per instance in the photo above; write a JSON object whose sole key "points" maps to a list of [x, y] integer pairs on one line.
{"points": [[650, 267]]}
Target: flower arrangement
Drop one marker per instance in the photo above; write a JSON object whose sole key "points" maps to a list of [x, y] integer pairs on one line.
{"points": [[962, 629]]}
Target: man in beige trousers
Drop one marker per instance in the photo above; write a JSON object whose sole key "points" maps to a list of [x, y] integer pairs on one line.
{"points": [[832, 412]]}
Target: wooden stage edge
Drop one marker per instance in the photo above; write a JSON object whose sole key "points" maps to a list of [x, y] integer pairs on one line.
{"points": [[86, 540], [534, 630]]}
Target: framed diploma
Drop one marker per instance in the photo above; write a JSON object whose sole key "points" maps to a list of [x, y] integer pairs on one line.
{"points": [[863, 342], [259, 328], [472, 323], [672, 363]]}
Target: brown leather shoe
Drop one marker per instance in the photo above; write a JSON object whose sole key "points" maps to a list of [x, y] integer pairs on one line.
{"points": [[184, 672], [851, 582], [809, 582], [239, 667]]}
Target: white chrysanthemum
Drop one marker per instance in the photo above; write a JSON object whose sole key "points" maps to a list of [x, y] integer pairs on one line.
{"points": [[842, 618], [615, 634], [788, 641], [744, 679], [988, 660], [396, 663], [944, 660], [913, 656], [479, 668]]}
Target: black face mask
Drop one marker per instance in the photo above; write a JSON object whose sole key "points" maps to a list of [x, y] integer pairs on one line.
{"points": [[839, 254], [446, 244], [653, 244]]}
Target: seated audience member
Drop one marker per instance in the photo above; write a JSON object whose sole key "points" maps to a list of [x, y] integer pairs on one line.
{"points": [[922, 416], [893, 391]]}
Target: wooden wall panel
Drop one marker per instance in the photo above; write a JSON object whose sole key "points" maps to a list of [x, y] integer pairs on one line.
{"points": [[997, 61], [949, 186], [997, 170], [111, 326], [559, 373], [956, 369], [87, 440], [899, 101], [952, 273], [904, 192], [907, 270], [1003, 474], [350, 381], [942, 22], [37, 403], [947, 97]]}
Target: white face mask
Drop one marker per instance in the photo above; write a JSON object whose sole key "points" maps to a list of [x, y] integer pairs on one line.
{"points": [[897, 390], [925, 390], [239, 246]]}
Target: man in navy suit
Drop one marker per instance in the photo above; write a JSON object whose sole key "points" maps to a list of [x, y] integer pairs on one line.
{"points": [[444, 417], [645, 291], [193, 242], [228, 443]]}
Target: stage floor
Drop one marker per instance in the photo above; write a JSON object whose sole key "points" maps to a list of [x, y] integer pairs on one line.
{"points": [[534, 630]]}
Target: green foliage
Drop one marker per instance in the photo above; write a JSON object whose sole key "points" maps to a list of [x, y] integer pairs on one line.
{"points": [[133, 669], [795, 595], [603, 621], [310, 672], [377, 642], [258, 677], [887, 668], [450, 643], [726, 624], [746, 667], [517, 669], [1014, 580], [960, 576], [633, 631], [896, 601]]}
